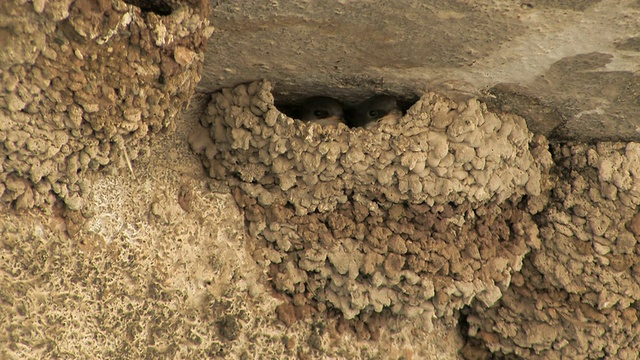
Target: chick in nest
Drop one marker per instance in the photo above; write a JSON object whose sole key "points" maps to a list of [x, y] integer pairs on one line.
{"points": [[322, 110], [378, 109]]}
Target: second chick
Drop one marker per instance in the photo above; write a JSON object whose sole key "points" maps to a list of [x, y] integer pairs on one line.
{"points": [[378, 109]]}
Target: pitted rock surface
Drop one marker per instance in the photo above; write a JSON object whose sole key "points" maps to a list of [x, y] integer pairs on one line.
{"points": [[417, 218], [86, 84]]}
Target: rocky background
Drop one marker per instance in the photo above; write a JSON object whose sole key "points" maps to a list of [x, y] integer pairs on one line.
{"points": [[131, 228]]}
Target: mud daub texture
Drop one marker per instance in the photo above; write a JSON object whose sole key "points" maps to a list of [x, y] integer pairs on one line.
{"points": [[81, 81], [419, 218], [577, 297]]}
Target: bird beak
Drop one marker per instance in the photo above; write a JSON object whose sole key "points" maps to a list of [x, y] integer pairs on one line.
{"points": [[392, 118]]}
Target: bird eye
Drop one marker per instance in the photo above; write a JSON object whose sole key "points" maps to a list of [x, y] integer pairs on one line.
{"points": [[321, 114], [374, 113]]}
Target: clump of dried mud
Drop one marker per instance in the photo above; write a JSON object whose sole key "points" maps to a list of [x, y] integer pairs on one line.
{"points": [[455, 206], [577, 296], [85, 84], [421, 218]]}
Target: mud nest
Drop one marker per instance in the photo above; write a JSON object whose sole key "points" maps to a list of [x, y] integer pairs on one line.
{"points": [[86, 84], [418, 218], [577, 296]]}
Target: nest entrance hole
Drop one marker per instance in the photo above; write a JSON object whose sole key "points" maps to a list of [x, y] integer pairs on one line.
{"points": [[158, 7], [291, 104]]}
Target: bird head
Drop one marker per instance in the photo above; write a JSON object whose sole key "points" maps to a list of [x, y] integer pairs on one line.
{"points": [[378, 109], [323, 110]]}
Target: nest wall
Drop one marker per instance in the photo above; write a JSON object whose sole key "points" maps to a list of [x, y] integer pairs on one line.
{"points": [[421, 218], [86, 84], [418, 218], [577, 296]]}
